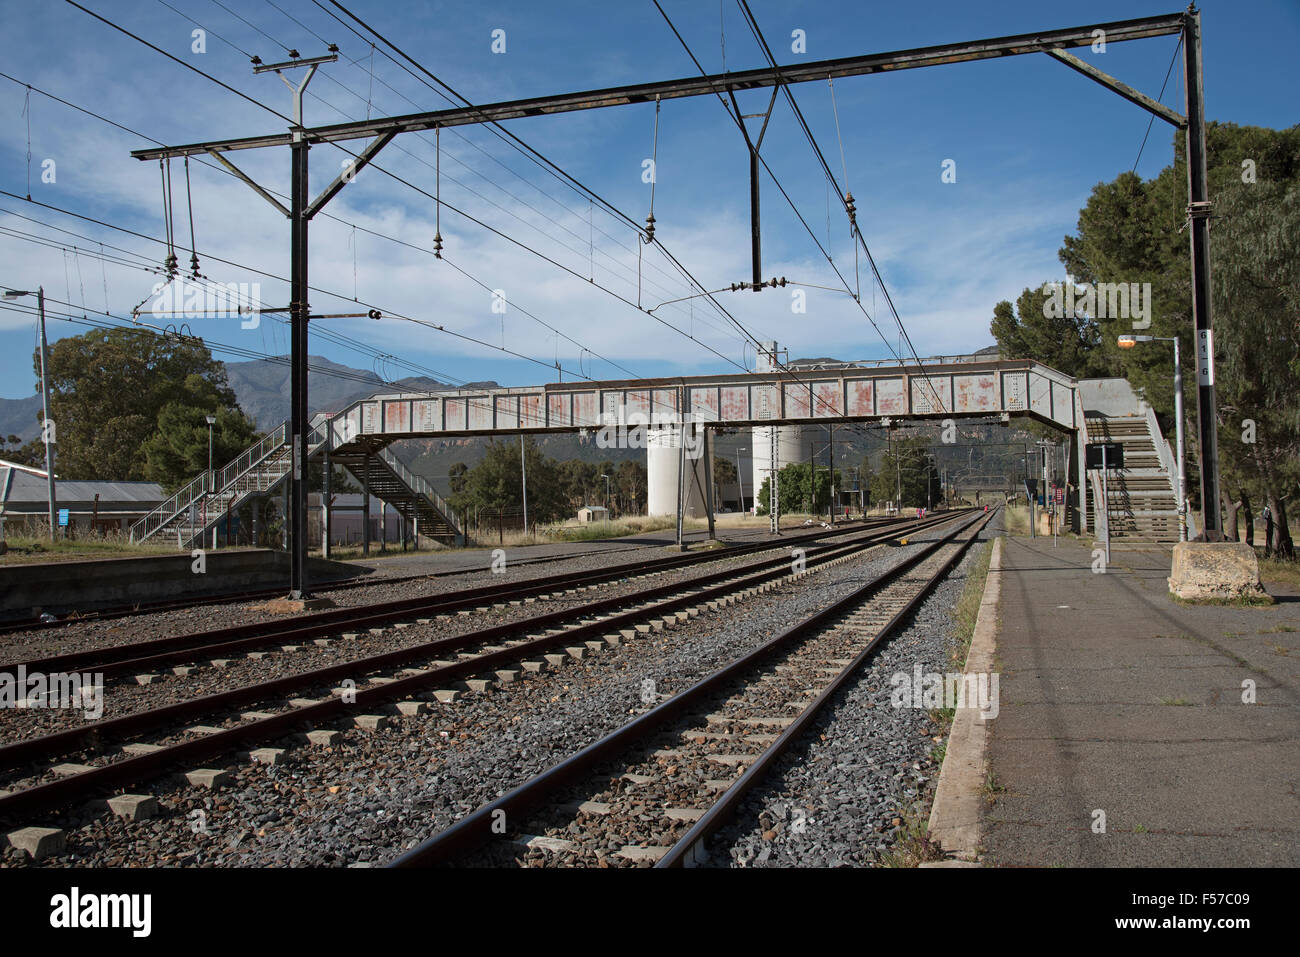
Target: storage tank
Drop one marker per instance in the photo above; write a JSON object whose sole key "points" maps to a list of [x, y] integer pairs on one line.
{"points": [[663, 460]]}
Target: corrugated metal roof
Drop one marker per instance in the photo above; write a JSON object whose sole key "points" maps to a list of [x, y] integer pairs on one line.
{"points": [[26, 487]]}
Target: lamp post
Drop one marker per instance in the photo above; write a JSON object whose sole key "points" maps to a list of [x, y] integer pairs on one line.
{"points": [[47, 433], [1128, 342], [606, 478]]}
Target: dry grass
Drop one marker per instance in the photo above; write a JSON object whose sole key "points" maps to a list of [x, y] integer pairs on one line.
{"points": [[1016, 520], [25, 548]]}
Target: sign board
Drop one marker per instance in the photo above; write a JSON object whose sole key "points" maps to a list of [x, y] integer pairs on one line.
{"points": [[1114, 453], [1060, 496], [63, 517], [1031, 488]]}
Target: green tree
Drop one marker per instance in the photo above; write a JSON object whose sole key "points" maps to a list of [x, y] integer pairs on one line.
{"points": [[632, 482], [909, 464], [496, 482], [1134, 230], [109, 388], [178, 449], [796, 489]]}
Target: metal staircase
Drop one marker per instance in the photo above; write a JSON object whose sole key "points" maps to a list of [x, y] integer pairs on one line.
{"points": [[198, 506], [1142, 503]]}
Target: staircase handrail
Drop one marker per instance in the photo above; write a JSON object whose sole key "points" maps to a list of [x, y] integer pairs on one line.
{"points": [[181, 500]]}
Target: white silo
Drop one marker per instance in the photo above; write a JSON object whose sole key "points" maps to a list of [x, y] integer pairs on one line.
{"points": [[663, 461]]}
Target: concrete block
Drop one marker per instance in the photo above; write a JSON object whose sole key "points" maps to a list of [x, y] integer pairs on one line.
{"points": [[1215, 570], [255, 715], [271, 756], [555, 660], [322, 642], [479, 684], [447, 695], [507, 675], [203, 729], [68, 770], [302, 702], [210, 778], [39, 842], [147, 679], [139, 748], [134, 807], [257, 655], [595, 645], [533, 666], [371, 722], [411, 708], [220, 662], [322, 737], [183, 670], [634, 853], [628, 633], [613, 641], [290, 647]]}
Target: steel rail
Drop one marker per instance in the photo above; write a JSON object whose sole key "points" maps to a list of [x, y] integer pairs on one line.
{"points": [[132, 769], [684, 852], [304, 627], [476, 828], [112, 612]]}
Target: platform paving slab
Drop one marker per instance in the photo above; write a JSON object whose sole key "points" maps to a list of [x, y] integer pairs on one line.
{"points": [[1116, 698]]}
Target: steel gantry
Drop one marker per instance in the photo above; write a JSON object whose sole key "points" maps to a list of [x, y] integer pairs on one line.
{"points": [[382, 130]]}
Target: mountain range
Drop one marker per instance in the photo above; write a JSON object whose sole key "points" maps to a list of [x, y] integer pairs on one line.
{"points": [[261, 387]]}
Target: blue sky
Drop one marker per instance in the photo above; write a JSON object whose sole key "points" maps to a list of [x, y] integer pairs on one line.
{"points": [[1029, 137]]}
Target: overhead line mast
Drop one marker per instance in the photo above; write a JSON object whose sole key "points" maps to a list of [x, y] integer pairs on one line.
{"points": [[381, 130]]}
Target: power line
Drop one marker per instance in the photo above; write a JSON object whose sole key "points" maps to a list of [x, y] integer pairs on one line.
{"points": [[812, 141]]}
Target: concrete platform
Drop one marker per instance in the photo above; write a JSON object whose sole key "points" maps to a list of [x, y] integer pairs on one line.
{"points": [[1116, 698]]}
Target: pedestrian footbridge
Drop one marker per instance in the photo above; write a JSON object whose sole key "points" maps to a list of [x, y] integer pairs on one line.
{"points": [[957, 387]]}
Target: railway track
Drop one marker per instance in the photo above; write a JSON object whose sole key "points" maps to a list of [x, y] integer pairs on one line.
{"points": [[682, 768], [112, 613], [436, 670], [138, 657]]}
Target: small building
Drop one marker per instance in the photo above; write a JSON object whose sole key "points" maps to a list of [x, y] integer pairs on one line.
{"points": [[91, 506], [593, 513]]}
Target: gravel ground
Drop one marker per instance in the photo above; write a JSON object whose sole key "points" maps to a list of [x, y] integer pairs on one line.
{"points": [[375, 793], [836, 797], [476, 564], [123, 696]]}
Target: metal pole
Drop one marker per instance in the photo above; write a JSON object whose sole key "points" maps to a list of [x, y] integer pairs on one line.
{"points": [[1182, 469], [831, 474], [1105, 499], [681, 474], [327, 513], [755, 240], [46, 425], [1198, 211], [523, 476], [365, 506], [708, 481], [298, 362]]}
